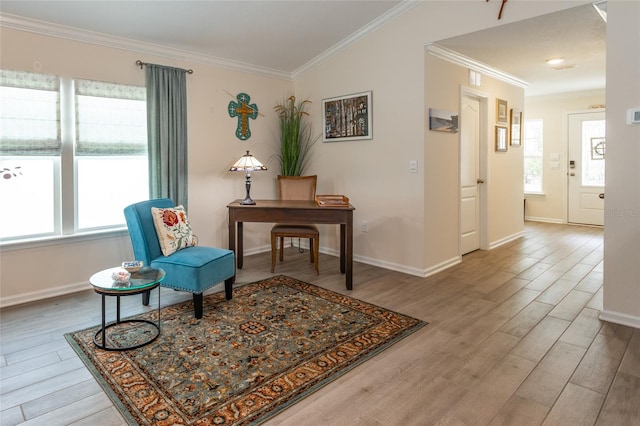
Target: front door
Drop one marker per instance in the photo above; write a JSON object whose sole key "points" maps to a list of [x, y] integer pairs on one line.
{"points": [[586, 168], [469, 174]]}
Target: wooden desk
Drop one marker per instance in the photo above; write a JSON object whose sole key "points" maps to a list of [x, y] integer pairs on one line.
{"points": [[299, 212]]}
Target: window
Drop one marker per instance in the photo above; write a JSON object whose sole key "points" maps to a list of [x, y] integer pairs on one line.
{"points": [[533, 156], [593, 152], [111, 151], [73, 153], [30, 147]]}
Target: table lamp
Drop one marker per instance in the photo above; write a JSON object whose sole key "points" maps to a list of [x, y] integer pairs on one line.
{"points": [[247, 164]]}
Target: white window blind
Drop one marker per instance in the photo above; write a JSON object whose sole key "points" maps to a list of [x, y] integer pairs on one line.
{"points": [[29, 113], [92, 133], [110, 119], [111, 137]]}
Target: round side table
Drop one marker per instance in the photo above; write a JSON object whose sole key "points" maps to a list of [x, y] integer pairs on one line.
{"points": [[144, 280]]}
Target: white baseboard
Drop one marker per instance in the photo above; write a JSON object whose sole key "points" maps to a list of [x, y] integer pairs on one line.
{"points": [[543, 219], [72, 288], [363, 259], [43, 294], [406, 269], [505, 240], [442, 266], [398, 267], [257, 250], [389, 265], [620, 318]]}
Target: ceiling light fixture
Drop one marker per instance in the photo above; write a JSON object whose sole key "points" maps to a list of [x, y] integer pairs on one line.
{"points": [[555, 61]]}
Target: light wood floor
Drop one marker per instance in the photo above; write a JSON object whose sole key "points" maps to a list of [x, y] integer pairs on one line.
{"points": [[514, 338]]}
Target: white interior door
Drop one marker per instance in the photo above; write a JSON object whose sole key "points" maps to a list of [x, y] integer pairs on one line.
{"points": [[469, 174], [586, 168]]}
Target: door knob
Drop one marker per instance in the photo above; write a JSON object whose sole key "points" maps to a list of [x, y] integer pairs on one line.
{"points": [[479, 180], [601, 195], [572, 174]]}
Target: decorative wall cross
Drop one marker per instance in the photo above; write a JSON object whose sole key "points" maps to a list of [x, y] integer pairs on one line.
{"points": [[244, 111]]}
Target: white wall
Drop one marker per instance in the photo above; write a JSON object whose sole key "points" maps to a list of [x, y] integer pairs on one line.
{"points": [[502, 189], [413, 219], [65, 266], [622, 202], [553, 110], [375, 174]]}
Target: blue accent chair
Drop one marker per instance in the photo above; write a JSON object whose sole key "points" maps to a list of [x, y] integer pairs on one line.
{"points": [[192, 269]]}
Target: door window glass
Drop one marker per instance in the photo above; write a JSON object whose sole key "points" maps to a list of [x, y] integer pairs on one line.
{"points": [[593, 152]]}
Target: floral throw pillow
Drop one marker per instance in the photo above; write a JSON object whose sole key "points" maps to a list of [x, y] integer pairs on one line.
{"points": [[173, 229]]}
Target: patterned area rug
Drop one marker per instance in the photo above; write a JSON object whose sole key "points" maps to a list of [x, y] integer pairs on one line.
{"points": [[247, 359]]}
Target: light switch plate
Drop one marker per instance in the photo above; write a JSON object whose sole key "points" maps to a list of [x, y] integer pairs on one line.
{"points": [[475, 78]]}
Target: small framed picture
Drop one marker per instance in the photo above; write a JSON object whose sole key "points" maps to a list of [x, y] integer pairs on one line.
{"points": [[443, 121], [501, 138], [501, 111], [347, 118], [516, 126]]}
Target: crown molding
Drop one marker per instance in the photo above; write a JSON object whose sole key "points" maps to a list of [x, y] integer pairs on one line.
{"points": [[465, 61], [100, 39], [402, 7]]}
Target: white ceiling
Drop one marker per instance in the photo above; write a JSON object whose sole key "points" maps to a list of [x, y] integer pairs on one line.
{"points": [[285, 36], [521, 48], [277, 35]]}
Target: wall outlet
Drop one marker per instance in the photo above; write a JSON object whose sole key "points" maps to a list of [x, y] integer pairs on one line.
{"points": [[364, 226]]}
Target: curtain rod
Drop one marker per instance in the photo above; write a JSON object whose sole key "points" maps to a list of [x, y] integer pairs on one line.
{"points": [[141, 64]]}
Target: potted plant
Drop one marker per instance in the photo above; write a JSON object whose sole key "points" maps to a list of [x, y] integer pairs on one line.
{"points": [[296, 139]]}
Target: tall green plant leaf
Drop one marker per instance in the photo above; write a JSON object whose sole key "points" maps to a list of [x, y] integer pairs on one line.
{"points": [[296, 137]]}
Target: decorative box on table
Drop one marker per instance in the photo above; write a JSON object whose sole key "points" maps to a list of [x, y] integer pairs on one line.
{"points": [[331, 200]]}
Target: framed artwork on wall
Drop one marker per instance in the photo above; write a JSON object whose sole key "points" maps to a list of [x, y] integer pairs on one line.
{"points": [[516, 127], [347, 118], [501, 111], [501, 138], [443, 121]]}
